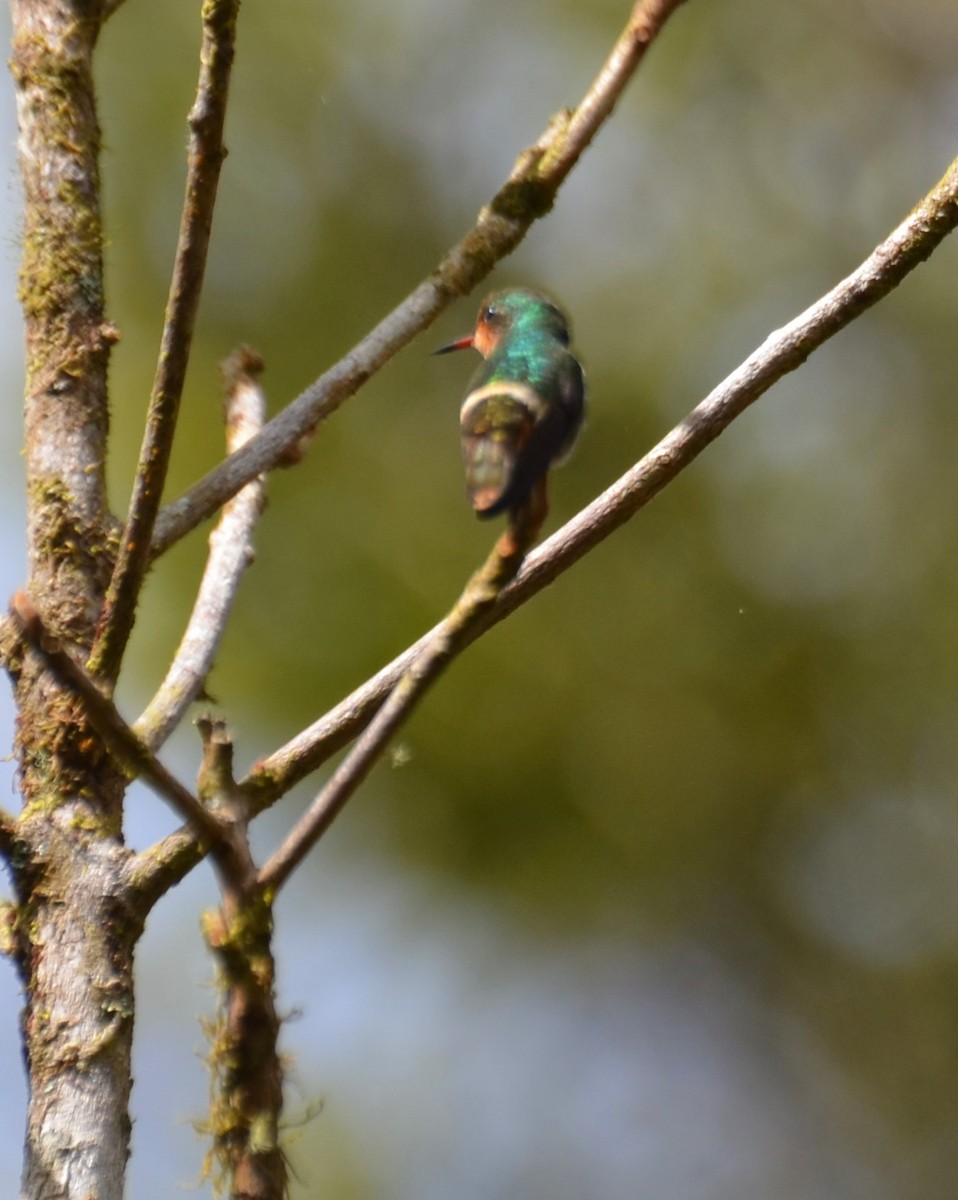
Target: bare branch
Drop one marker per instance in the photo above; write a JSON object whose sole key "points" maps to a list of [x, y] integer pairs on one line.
{"points": [[134, 756], [206, 155], [152, 873], [477, 599], [231, 552], [527, 195], [782, 351], [563, 149]]}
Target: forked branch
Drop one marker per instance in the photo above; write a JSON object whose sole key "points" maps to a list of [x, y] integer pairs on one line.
{"points": [[215, 837]]}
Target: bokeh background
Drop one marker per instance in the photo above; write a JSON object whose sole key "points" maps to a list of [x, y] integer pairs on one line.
{"points": [[658, 895]]}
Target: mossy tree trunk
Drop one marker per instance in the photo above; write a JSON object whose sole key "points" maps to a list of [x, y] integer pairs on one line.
{"points": [[73, 937]]}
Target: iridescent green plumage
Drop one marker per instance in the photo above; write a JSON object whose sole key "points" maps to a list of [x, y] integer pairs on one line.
{"points": [[525, 403]]}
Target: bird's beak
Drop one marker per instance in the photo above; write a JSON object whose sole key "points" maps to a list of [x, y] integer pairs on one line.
{"points": [[463, 343]]}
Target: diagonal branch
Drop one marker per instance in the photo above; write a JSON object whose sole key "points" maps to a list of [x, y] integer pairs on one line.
{"points": [[783, 350], [206, 155], [932, 219], [231, 552], [134, 756], [151, 874], [561, 153], [477, 599], [527, 195]]}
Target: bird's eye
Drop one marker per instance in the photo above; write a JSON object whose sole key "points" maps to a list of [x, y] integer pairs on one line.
{"points": [[490, 314]]}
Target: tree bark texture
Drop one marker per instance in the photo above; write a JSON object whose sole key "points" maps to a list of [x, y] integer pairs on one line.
{"points": [[74, 935]]}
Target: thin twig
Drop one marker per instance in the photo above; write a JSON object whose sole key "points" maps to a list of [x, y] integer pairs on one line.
{"points": [[133, 755], [206, 155], [527, 195], [477, 599], [231, 552], [782, 351], [643, 27]]}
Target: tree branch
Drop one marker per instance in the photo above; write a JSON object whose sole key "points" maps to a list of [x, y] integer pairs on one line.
{"points": [[206, 155], [246, 1100], [782, 351], [527, 195], [151, 874], [231, 552], [477, 599], [123, 744], [561, 153]]}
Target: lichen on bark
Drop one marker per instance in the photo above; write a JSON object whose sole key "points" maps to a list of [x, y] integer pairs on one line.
{"points": [[72, 928]]}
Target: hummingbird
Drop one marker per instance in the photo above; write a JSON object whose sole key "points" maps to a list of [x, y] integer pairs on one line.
{"points": [[525, 403]]}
